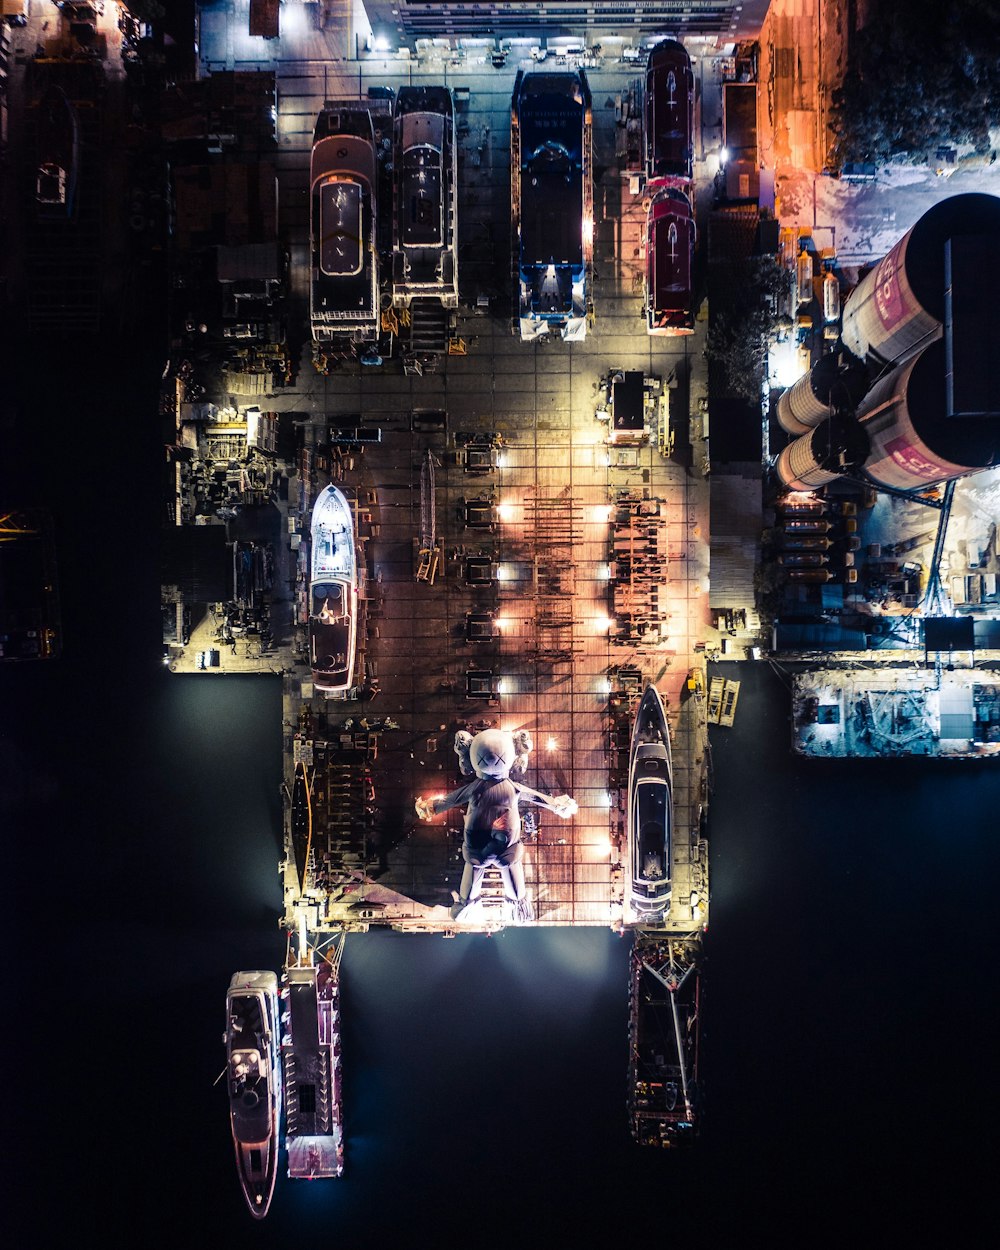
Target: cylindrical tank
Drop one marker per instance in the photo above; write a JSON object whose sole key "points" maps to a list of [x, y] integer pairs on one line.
{"points": [[804, 542], [913, 443], [804, 277], [809, 575], [831, 298], [803, 559], [803, 406], [812, 526], [800, 505], [816, 458], [898, 308]]}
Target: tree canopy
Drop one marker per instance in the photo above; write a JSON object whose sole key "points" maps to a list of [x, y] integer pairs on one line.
{"points": [[921, 74], [739, 336]]}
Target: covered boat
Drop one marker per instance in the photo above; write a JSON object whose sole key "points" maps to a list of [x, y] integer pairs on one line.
{"points": [[333, 593], [670, 238], [254, 1079], [669, 113], [650, 812]]}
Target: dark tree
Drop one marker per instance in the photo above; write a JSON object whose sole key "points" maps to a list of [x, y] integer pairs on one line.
{"points": [[739, 338], [145, 10], [921, 74]]}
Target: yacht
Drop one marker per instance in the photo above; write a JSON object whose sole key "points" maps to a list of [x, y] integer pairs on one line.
{"points": [[333, 593], [254, 1078], [650, 812]]}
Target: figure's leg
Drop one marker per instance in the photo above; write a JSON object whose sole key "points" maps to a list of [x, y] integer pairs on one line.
{"points": [[471, 873], [512, 870]]}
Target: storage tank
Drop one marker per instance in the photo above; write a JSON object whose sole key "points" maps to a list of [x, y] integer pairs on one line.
{"points": [[831, 298], [835, 446], [803, 406], [914, 443], [898, 308]]}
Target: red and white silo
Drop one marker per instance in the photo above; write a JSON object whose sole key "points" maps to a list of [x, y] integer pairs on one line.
{"points": [[837, 445], [899, 307], [803, 406], [913, 442]]}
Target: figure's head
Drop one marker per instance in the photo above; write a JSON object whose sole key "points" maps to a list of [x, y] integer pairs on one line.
{"points": [[492, 753]]}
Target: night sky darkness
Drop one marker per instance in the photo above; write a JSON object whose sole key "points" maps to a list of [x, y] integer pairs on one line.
{"points": [[850, 1035]]}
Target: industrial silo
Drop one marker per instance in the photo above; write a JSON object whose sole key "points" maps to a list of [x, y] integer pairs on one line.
{"points": [[834, 447], [803, 406], [914, 443], [899, 307]]}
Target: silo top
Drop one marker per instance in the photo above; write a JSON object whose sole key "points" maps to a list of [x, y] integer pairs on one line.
{"points": [[972, 213]]}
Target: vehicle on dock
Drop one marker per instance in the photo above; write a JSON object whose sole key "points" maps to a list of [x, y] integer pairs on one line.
{"points": [[425, 189], [310, 1053], [343, 222], [301, 823], [650, 812], [669, 113], [333, 593], [670, 240], [254, 1078], [552, 203], [58, 152]]}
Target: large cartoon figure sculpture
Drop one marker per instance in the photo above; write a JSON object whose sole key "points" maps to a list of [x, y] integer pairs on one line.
{"points": [[492, 818]]}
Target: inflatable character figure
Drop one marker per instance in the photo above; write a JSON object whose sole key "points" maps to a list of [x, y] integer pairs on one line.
{"points": [[492, 818]]}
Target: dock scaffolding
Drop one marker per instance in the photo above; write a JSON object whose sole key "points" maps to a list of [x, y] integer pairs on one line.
{"points": [[664, 1027], [552, 526], [639, 566]]}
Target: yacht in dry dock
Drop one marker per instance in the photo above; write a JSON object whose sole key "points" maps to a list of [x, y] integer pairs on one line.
{"points": [[254, 1080], [333, 593], [670, 239], [342, 178], [650, 813]]}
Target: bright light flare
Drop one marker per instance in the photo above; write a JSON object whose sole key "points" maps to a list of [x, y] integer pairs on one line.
{"points": [[506, 512], [551, 744], [786, 363], [602, 624]]}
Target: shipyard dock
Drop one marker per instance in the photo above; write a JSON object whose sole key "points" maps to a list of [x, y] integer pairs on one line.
{"points": [[521, 572]]}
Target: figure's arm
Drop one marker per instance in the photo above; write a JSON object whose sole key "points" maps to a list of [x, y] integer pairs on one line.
{"points": [[561, 804], [433, 806]]}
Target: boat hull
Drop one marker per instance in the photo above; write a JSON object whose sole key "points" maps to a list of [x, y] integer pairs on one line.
{"points": [[333, 593], [650, 812], [301, 822], [254, 1083]]}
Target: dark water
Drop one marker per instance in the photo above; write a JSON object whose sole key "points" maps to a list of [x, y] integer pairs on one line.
{"points": [[850, 1037]]}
